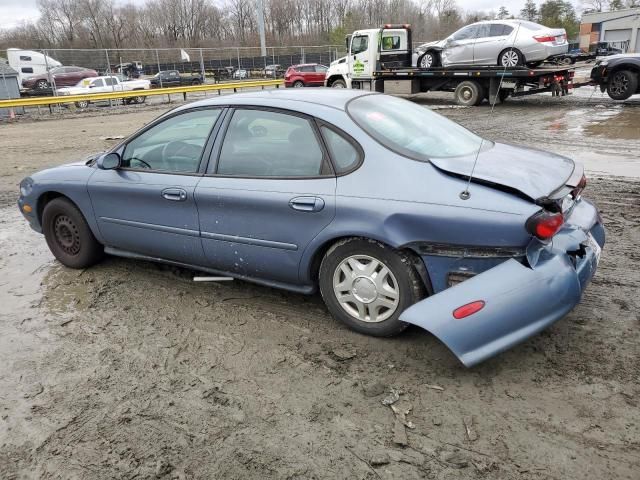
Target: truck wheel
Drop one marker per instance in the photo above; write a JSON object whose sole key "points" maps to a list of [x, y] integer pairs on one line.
{"points": [[429, 59], [510, 58], [367, 285], [338, 84], [140, 99], [622, 84], [82, 104], [469, 93]]}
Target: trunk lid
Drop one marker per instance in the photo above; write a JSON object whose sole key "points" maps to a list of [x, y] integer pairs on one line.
{"points": [[534, 173]]}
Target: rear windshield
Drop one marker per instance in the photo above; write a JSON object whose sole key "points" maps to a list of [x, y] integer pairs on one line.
{"points": [[412, 130]]}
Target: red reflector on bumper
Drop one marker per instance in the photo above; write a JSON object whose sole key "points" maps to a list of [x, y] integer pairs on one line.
{"points": [[468, 309]]}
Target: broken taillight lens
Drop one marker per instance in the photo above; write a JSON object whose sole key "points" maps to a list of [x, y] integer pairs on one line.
{"points": [[544, 225]]}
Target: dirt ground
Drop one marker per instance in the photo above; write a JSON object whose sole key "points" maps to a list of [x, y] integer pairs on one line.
{"points": [[131, 370]]}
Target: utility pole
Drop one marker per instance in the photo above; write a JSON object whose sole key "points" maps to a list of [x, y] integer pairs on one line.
{"points": [[263, 47]]}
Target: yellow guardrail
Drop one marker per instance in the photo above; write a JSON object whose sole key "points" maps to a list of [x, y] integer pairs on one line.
{"points": [[92, 97]]}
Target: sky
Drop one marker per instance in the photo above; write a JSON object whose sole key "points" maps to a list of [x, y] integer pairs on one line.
{"points": [[13, 12]]}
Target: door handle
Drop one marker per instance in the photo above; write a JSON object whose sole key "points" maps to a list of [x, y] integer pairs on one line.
{"points": [[307, 204], [174, 194]]}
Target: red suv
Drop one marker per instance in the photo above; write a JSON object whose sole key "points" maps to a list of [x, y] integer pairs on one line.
{"points": [[305, 75]]}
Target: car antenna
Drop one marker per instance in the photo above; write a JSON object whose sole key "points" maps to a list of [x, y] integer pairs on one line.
{"points": [[466, 194]]}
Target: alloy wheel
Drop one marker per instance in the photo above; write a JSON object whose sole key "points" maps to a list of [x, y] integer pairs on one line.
{"points": [[510, 58], [619, 84], [366, 288], [427, 60]]}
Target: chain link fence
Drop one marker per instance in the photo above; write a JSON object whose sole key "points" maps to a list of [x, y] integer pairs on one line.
{"points": [[213, 63]]}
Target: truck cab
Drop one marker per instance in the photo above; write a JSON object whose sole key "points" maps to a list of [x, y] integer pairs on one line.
{"points": [[369, 51]]}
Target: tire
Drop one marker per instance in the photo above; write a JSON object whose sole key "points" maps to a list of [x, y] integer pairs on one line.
{"points": [[68, 235], [42, 84], [140, 99], [195, 82], [511, 58], [622, 84], [82, 104], [366, 310], [298, 84], [469, 93], [338, 84], [429, 59]]}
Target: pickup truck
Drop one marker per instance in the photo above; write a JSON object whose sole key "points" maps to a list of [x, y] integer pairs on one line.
{"points": [[618, 75], [106, 84], [173, 78]]}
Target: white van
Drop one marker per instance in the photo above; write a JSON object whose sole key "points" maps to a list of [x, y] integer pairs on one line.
{"points": [[29, 63]]}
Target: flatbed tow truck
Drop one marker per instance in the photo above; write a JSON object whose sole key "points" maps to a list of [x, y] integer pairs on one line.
{"points": [[381, 60]]}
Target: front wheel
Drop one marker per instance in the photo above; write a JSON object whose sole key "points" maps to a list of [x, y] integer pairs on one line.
{"points": [[338, 84], [367, 285], [298, 84], [68, 235], [42, 84], [511, 58], [82, 104], [622, 85], [469, 93], [429, 59]]}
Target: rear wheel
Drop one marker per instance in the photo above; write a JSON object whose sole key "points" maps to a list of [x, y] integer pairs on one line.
{"points": [[82, 104], [68, 235], [367, 285], [622, 84], [42, 84], [338, 84], [298, 84], [195, 82], [469, 93], [510, 58], [140, 99]]}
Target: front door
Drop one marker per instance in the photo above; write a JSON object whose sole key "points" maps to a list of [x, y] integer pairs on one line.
{"points": [[360, 66], [458, 49], [269, 191], [147, 206]]}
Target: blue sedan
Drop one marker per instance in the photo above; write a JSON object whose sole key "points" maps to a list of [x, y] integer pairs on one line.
{"points": [[395, 214]]}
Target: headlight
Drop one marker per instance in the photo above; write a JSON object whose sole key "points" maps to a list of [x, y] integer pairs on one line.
{"points": [[26, 186]]}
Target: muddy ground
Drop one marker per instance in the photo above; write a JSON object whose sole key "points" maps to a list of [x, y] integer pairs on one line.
{"points": [[130, 370]]}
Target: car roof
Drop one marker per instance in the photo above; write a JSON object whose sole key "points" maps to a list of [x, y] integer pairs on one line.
{"points": [[328, 97]]}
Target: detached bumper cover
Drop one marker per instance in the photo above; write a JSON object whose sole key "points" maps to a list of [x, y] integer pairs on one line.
{"points": [[520, 300]]}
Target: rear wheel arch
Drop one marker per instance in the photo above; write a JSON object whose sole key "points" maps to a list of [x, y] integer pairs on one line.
{"points": [[412, 256]]}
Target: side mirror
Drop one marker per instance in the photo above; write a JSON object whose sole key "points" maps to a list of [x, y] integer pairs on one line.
{"points": [[110, 161]]}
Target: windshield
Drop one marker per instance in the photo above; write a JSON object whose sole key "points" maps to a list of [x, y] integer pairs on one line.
{"points": [[410, 129]]}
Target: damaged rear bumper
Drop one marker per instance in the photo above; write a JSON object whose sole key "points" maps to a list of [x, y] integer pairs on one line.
{"points": [[521, 298]]}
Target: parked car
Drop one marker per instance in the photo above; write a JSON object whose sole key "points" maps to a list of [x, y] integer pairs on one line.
{"points": [[173, 78], [273, 70], [240, 74], [618, 75], [508, 43], [309, 203], [606, 49], [59, 76], [305, 75], [106, 84]]}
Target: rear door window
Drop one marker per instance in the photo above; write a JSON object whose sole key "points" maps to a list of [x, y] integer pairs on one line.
{"points": [[343, 152], [499, 30], [260, 143]]}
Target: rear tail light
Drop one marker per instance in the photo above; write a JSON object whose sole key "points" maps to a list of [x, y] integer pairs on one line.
{"points": [[544, 38], [544, 225]]}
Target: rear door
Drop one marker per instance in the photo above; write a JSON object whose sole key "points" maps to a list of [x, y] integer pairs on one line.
{"points": [[268, 192], [490, 41], [148, 206]]}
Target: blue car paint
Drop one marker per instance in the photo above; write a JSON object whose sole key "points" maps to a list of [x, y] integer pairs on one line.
{"points": [[520, 300], [402, 202]]}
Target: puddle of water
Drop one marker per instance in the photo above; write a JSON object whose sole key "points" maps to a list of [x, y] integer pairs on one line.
{"points": [[613, 122]]}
